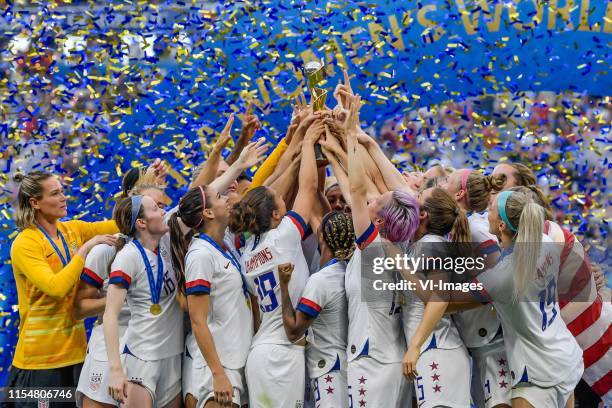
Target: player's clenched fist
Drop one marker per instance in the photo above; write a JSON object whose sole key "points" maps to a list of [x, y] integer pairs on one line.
{"points": [[284, 272]]}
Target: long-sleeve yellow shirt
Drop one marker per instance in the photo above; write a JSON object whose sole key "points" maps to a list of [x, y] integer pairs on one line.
{"points": [[49, 337], [269, 165]]}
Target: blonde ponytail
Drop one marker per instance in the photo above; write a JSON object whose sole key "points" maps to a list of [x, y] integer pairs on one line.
{"points": [[523, 212], [461, 228]]}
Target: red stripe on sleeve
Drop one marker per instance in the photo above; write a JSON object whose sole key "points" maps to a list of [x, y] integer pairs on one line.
{"points": [[310, 303], [121, 274], [197, 282], [93, 275]]}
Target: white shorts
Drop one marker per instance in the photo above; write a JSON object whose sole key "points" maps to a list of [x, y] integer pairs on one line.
{"points": [[374, 384], [443, 378], [275, 376], [330, 390], [204, 384], [93, 382], [189, 385], [549, 397], [493, 375], [162, 378]]}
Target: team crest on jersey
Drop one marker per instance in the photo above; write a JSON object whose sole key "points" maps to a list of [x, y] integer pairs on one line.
{"points": [[95, 380]]}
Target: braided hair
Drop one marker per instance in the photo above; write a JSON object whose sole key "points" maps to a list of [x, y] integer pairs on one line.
{"points": [[338, 234]]}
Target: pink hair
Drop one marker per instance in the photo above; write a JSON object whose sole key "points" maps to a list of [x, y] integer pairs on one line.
{"points": [[401, 217]]}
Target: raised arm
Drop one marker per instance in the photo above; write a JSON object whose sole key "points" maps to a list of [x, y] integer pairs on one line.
{"points": [[295, 146], [372, 179], [269, 165], [270, 169], [320, 208], [249, 157], [291, 154], [356, 172], [308, 171], [250, 124], [393, 179], [339, 172], [373, 172], [333, 134], [210, 166], [285, 183]]}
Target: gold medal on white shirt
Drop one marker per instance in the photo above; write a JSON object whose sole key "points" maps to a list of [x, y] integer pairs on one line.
{"points": [[155, 309]]}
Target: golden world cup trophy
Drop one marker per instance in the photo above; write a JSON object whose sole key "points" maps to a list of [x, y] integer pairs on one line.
{"points": [[315, 76]]}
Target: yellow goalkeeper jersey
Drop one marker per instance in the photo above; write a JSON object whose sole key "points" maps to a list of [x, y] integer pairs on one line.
{"points": [[49, 336]]}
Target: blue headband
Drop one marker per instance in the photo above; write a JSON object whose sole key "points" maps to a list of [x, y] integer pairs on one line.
{"points": [[501, 207], [136, 204]]}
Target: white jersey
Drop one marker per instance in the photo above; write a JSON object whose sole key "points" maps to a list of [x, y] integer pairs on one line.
{"points": [[95, 273], [374, 326], [149, 337], [445, 334], [479, 326], [233, 243], [211, 271], [540, 348], [260, 259], [324, 300]]}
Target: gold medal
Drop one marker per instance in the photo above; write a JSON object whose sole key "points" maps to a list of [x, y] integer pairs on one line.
{"points": [[155, 309]]}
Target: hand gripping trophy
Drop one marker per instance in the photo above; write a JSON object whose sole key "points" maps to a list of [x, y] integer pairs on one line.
{"points": [[315, 76]]}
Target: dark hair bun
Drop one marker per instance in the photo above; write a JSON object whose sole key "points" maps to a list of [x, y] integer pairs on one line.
{"points": [[243, 218], [495, 183], [18, 177]]}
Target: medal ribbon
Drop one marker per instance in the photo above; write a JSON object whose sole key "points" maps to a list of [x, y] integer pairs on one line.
{"points": [[230, 257], [55, 248], [153, 285]]}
